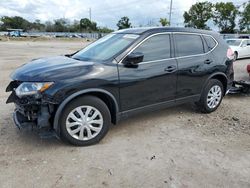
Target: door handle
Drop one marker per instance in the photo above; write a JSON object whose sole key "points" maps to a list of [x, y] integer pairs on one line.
{"points": [[170, 69], [208, 61]]}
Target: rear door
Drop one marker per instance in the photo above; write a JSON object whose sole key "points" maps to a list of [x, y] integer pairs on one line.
{"points": [[153, 80], [194, 64], [245, 48], [248, 48]]}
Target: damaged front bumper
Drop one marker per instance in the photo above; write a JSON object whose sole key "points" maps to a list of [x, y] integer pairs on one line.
{"points": [[32, 112], [35, 116]]}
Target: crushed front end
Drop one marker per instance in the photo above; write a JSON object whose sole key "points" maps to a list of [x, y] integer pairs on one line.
{"points": [[33, 108]]}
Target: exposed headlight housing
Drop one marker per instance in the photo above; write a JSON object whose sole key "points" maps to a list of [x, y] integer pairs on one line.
{"points": [[32, 88]]}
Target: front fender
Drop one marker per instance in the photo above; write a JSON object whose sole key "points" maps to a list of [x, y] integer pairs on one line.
{"points": [[59, 110]]}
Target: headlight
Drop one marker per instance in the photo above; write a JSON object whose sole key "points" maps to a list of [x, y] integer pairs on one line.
{"points": [[32, 88]]}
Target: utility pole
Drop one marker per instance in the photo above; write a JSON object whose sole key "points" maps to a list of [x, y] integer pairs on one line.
{"points": [[90, 14], [170, 12]]}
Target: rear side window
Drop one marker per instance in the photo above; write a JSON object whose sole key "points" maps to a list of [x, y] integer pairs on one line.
{"points": [[155, 48], [188, 44], [244, 43], [210, 42]]}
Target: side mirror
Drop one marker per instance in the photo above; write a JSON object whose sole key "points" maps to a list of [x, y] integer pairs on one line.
{"points": [[243, 45], [133, 59]]}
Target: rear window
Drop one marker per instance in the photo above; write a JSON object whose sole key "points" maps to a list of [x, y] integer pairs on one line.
{"points": [[233, 42], [210, 42], [188, 44]]}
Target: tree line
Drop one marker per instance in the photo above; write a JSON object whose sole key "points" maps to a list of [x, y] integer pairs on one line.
{"points": [[58, 25], [223, 15]]}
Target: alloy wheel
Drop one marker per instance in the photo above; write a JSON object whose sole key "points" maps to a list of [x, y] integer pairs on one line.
{"points": [[84, 123], [214, 96]]}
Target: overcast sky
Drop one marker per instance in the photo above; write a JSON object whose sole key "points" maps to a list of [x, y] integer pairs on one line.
{"points": [[104, 12]]}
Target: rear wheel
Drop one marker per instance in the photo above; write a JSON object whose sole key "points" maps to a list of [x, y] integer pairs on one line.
{"points": [[85, 121], [211, 96], [235, 56]]}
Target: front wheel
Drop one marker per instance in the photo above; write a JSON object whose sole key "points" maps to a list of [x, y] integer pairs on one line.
{"points": [[211, 96], [85, 121]]}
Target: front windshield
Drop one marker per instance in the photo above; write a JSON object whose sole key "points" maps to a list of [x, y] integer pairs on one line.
{"points": [[233, 42], [106, 47]]}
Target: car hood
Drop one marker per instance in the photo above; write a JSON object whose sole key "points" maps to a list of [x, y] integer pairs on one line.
{"points": [[51, 69]]}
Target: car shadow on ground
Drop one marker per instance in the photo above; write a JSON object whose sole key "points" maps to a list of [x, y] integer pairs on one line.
{"points": [[167, 112], [31, 137]]}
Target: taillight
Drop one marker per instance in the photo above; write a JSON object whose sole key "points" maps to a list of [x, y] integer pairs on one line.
{"points": [[230, 54], [248, 68]]}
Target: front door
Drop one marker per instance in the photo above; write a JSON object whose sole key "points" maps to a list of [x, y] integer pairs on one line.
{"points": [[153, 80]]}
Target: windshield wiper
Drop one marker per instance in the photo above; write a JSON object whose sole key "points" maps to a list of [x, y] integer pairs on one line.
{"points": [[70, 55], [76, 58]]}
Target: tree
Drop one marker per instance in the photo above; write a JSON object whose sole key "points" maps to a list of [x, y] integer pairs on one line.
{"points": [[61, 25], [49, 27], [37, 25], [244, 22], [123, 23], [15, 22], [75, 26], [86, 24], [93, 26], [198, 15], [164, 21], [224, 16], [104, 30]]}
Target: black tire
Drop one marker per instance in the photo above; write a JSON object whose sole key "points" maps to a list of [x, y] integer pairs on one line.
{"points": [[85, 101], [203, 104], [235, 56]]}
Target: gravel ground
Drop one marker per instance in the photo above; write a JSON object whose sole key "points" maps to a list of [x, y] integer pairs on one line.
{"points": [[176, 147]]}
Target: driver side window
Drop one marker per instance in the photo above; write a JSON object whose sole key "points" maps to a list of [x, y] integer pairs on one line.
{"points": [[155, 48]]}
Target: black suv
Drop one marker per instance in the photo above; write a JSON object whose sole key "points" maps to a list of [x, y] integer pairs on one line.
{"points": [[135, 70]]}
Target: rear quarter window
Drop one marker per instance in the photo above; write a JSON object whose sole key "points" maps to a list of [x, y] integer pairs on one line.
{"points": [[211, 43]]}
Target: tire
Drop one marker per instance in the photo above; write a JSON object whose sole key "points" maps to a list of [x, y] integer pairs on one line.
{"points": [[235, 56], [213, 91], [80, 130]]}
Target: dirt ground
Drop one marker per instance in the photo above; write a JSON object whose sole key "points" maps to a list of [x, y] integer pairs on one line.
{"points": [[176, 147]]}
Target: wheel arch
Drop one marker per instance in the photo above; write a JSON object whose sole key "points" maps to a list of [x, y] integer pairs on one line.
{"points": [[237, 54], [219, 76], [102, 94]]}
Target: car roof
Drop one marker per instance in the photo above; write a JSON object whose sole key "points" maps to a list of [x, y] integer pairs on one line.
{"points": [[144, 30], [237, 39]]}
